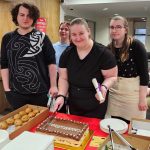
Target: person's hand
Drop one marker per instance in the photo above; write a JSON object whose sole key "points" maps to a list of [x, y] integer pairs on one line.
{"points": [[58, 103], [53, 91], [143, 105], [148, 92], [103, 91], [7, 90]]}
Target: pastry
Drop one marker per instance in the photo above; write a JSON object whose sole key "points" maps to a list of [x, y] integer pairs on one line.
{"points": [[22, 113], [36, 111], [31, 114], [3, 125], [25, 118], [28, 110], [18, 122], [17, 116], [10, 121]]}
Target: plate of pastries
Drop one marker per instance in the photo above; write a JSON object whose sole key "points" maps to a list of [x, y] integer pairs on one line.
{"points": [[19, 118]]}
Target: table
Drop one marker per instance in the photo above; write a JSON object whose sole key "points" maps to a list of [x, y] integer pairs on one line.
{"points": [[93, 125]]}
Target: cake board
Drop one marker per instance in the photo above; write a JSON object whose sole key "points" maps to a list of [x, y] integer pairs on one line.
{"points": [[81, 147]]}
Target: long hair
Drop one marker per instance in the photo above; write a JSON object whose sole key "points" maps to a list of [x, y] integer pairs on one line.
{"points": [[34, 12], [124, 54]]}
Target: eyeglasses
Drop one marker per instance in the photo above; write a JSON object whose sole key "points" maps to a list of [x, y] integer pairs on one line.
{"points": [[117, 28]]}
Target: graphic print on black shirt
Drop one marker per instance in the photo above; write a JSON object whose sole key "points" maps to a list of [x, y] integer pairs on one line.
{"points": [[24, 71]]}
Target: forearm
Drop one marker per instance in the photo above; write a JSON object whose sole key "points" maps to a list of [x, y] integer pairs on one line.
{"points": [[53, 75], [108, 82], [5, 79], [63, 86], [142, 93], [110, 76]]}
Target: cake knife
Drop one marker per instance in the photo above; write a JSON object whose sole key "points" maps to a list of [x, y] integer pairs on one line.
{"points": [[49, 101], [52, 116]]}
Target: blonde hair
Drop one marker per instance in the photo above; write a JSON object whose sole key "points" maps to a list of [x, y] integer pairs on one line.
{"points": [[124, 55], [81, 21]]}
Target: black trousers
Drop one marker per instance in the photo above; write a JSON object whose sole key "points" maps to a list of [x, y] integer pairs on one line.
{"points": [[17, 100]]}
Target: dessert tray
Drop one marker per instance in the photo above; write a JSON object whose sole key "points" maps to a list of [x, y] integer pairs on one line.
{"points": [[117, 147], [136, 143], [116, 124], [81, 147]]}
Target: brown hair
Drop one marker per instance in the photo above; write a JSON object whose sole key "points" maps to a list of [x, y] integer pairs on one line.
{"points": [[65, 23], [124, 55], [34, 12]]}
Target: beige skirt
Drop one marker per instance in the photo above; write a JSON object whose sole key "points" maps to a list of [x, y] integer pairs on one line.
{"points": [[123, 99]]}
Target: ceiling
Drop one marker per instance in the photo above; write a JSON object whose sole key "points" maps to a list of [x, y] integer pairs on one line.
{"points": [[134, 9]]}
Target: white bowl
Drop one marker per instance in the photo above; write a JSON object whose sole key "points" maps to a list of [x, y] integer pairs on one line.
{"points": [[4, 138]]}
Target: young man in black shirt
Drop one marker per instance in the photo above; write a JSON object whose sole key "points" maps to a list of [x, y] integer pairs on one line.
{"points": [[28, 65]]}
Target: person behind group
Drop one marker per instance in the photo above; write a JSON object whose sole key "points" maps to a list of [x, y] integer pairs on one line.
{"points": [[127, 97], [64, 35], [60, 46], [79, 64], [27, 60]]}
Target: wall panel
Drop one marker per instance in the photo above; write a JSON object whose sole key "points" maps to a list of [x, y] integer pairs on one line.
{"points": [[49, 9]]}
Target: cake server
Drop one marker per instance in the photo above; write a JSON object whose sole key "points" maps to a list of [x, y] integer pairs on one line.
{"points": [[123, 140]]}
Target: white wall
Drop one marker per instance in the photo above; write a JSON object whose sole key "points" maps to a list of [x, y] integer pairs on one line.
{"points": [[96, 1], [62, 14], [102, 24], [102, 30], [130, 23]]}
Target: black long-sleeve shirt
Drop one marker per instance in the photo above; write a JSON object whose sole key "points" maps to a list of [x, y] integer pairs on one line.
{"points": [[136, 64]]}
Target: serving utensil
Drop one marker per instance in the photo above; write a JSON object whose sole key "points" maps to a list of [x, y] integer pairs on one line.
{"points": [[52, 116], [111, 138], [50, 100], [123, 139]]}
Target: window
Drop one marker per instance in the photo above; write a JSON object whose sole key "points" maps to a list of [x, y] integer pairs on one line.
{"points": [[140, 31]]}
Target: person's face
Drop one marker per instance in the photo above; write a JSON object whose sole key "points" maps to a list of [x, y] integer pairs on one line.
{"points": [[117, 30], [79, 35], [64, 31], [24, 21]]}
